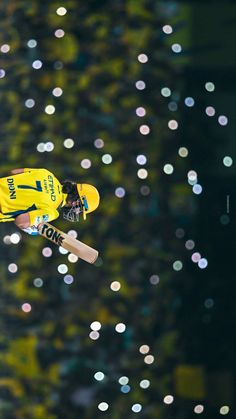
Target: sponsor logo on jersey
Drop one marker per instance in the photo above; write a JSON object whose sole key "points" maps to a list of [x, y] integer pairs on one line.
{"points": [[51, 188], [41, 219], [11, 187], [37, 220]]}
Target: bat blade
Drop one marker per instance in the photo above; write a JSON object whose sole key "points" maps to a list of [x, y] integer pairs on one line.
{"points": [[78, 248]]}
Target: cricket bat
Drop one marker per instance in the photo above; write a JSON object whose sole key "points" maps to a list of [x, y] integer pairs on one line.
{"points": [[78, 248]]}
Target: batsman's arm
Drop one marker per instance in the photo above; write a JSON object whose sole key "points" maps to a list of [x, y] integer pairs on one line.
{"points": [[16, 171], [29, 221], [23, 170], [23, 220]]}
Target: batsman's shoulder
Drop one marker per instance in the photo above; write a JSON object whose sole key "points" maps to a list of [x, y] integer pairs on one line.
{"points": [[44, 173]]}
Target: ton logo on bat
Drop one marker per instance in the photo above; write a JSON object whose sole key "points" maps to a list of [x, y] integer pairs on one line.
{"points": [[52, 234]]}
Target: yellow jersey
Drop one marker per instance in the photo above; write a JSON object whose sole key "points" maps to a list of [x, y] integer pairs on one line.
{"points": [[35, 191]]}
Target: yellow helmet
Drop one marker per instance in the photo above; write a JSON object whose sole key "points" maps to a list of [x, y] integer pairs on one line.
{"points": [[89, 197]]}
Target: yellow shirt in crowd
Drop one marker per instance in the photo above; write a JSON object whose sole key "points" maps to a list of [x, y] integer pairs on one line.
{"points": [[36, 191]]}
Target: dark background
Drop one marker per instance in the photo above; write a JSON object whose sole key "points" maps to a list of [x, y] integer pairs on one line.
{"points": [[47, 359]]}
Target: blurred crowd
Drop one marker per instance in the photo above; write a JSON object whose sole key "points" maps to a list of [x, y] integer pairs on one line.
{"points": [[48, 357]]}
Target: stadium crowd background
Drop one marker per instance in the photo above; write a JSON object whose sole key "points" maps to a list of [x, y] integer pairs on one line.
{"points": [[116, 93]]}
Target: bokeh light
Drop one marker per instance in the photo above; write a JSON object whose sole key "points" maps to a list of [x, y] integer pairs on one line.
{"points": [[41, 147], [202, 263], [165, 91], [136, 408], [142, 173], [173, 106], [120, 328], [196, 257], [73, 233], [47, 252], [26, 307], [32, 43], [199, 408], [62, 268], [94, 335], [61, 11], [167, 29], [168, 168], [210, 111], [106, 158], [189, 244], [144, 384], [180, 233], [123, 380], [38, 282], [154, 279], [145, 190], [125, 389], [57, 92], [37, 64], [50, 109], [68, 279], [143, 58], [140, 111], [72, 258], [141, 159], [172, 124], [224, 410], [63, 251], [115, 286], [49, 146], [59, 33], [15, 238], [99, 376], [5, 48], [95, 325], [68, 143], [149, 359], [12, 268], [183, 152], [2, 73], [197, 189], [168, 399], [120, 192], [209, 86], [99, 143], [103, 406], [86, 163], [177, 265], [144, 349], [144, 129], [189, 101], [29, 103], [227, 161], [176, 48], [140, 85], [192, 175], [7, 239], [223, 120]]}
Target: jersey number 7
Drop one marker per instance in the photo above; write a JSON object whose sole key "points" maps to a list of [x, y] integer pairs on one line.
{"points": [[37, 188]]}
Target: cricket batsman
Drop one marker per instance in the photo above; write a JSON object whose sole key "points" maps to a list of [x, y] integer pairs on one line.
{"points": [[29, 197]]}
